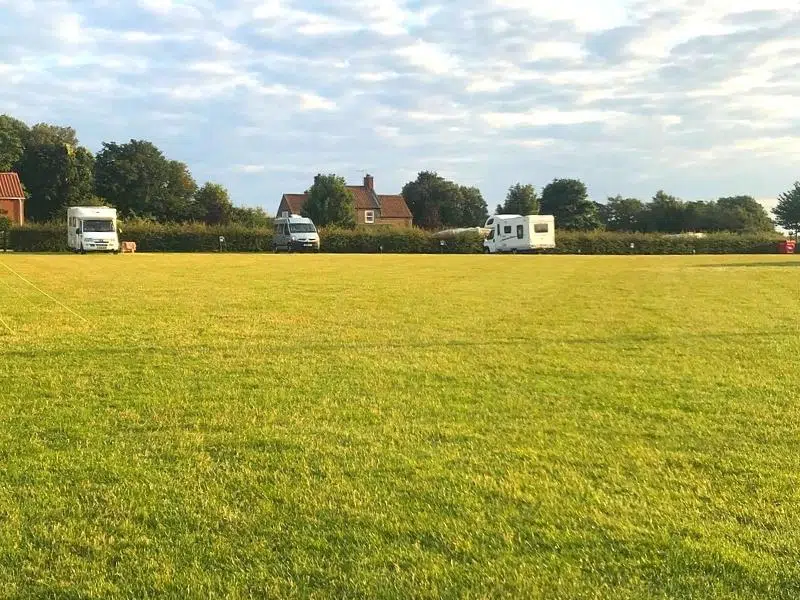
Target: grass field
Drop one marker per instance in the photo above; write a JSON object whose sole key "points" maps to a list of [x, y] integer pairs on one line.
{"points": [[399, 426]]}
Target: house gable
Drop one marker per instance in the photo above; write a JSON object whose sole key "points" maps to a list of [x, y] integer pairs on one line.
{"points": [[370, 207]]}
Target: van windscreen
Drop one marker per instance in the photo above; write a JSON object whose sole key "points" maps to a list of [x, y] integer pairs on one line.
{"points": [[302, 228], [98, 226]]}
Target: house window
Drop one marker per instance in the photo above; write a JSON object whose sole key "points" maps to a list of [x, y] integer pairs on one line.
{"points": [[519, 231], [285, 214], [507, 229], [540, 228], [369, 216]]}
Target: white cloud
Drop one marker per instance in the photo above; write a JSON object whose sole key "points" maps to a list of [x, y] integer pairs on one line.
{"points": [[250, 169], [695, 96], [430, 57], [550, 117]]}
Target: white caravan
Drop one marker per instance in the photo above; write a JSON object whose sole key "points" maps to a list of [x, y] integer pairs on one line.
{"points": [[517, 233], [92, 229], [295, 233]]}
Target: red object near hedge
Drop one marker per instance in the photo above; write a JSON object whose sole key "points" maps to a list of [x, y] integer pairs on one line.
{"points": [[787, 247]]}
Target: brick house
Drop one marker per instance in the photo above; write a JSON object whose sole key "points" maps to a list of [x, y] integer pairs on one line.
{"points": [[12, 198], [371, 208]]}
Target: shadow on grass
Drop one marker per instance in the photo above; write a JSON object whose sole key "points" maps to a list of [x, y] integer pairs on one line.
{"points": [[760, 264]]}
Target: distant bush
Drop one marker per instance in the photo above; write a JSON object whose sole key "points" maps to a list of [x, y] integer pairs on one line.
{"points": [[394, 240], [607, 242]]}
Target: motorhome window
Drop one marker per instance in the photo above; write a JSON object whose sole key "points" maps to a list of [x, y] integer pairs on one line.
{"points": [[98, 226], [302, 228], [541, 228], [285, 229], [507, 229], [491, 235], [520, 230]]}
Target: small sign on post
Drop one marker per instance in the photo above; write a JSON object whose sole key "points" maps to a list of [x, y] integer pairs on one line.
{"points": [[222, 243]]}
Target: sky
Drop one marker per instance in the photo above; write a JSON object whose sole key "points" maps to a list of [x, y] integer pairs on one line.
{"points": [[695, 97]]}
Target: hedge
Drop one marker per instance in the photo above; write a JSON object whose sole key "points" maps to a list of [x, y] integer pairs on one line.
{"points": [[151, 237], [394, 240], [606, 242], [154, 237]]}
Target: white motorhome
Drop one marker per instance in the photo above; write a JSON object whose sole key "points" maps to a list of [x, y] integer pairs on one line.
{"points": [[517, 233], [295, 233], [92, 229]]}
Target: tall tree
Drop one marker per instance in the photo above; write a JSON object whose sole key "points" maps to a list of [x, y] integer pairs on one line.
{"points": [[13, 138], [213, 204], [664, 213], [741, 214], [140, 181], [787, 212], [624, 214], [45, 133], [520, 200], [568, 201], [436, 202], [55, 174], [250, 216], [330, 202]]}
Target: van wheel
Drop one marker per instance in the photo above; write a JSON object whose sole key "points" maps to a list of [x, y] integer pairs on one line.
{"points": [[514, 251]]}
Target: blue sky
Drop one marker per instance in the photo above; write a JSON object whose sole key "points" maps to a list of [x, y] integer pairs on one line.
{"points": [[698, 97]]}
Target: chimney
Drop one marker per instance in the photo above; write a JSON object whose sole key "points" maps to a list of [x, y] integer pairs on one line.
{"points": [[369, 182]]}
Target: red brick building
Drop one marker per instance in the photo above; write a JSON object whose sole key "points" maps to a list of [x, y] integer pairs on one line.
{"points": [[12, 198], [371, 208]]}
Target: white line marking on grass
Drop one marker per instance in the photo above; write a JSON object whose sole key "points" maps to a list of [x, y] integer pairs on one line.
{"points": [[17, 292], [7, 326], [41, 291]]}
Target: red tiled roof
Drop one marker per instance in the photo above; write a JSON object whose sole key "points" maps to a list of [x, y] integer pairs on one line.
{"points": [[394, 207], [364, 199], [295, 202], [11, 187]]}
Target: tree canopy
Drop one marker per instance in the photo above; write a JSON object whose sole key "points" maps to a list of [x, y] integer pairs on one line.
{"points": [[787, 212], [520, 200], [568, 201], [436, 202], [135, 177], [330, 202]]}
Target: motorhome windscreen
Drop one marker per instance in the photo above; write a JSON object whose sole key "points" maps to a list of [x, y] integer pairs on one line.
{"points": [[98, 226], [301, 228]]}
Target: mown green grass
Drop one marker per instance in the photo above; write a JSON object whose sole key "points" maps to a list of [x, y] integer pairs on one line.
{"points": [[400, 426]]}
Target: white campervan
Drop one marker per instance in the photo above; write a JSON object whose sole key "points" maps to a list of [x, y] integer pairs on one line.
{"points": [[517, 233], [92, 229], [295, 233]]}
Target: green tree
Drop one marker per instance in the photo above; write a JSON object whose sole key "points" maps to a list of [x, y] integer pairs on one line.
{"points": [[568, 201], [787, 212], [664, 213], [13, 138], [140, 181], [55, 173], [213, 204], [520, 200], [436, 202], [250, 216], [623, 214], [742, 214], [330, 202]]}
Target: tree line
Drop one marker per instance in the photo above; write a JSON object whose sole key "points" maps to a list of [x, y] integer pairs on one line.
{"points": [[141, 182], [134, 177], [436, 202]]}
